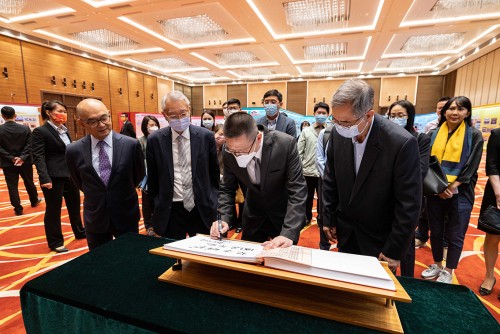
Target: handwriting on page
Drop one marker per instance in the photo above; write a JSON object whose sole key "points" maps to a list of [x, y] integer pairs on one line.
{"points": [[223, 246], [295, 254]]}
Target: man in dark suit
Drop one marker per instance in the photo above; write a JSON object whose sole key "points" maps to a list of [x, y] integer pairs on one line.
{"points": [[16, 160], [268, 164], [274, 120], [107, 167], [372, 186], [183, 172], [127, 127]]}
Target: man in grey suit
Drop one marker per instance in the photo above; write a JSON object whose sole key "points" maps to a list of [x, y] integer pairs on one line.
{"points": [[268, 164], [274, 120], [372, 186], [183, 172], [107, 167]]}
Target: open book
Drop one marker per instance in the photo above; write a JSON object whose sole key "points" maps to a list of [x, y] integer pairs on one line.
{"points": [[358, 269]]}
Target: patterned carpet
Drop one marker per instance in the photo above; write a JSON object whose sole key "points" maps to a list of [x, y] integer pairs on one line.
{"points": [[24, 254]]}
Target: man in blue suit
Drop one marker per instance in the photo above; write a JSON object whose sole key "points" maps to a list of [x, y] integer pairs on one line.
{"points": [[183, 172], [274, 120], [107, 167]]}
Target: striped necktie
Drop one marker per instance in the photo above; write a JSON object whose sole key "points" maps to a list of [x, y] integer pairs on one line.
{"points": [[104, 164], [187, 184]]}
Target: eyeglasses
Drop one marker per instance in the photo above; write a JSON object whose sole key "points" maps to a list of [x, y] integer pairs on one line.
{"points": [[233, 108], [237, 154], [346, 124], [92, 122], [183, 113], [400, 117]]}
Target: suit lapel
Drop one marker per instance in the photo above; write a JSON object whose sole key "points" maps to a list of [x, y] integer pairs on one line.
{"points": [[195, 147], [267, 146], [117, 154], [369, 158], [280, 124], [55, 134], [87, 157], [168, 153]]}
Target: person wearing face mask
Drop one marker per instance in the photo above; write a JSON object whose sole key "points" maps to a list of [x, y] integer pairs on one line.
{"points": [[403, 114], [268, 164], [208, 120], [49, 143], [107, 167], [371, 188], [183, 172], [273, 101], [307, 152], [149, 125]]}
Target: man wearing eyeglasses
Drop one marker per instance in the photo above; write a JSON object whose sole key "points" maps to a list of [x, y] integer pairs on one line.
{"points": [[107, 167], [183, 172], [268, 164], [372, 185], [273, 101]]}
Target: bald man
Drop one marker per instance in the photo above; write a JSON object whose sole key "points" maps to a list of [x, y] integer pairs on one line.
{"points": [[107, 167]]}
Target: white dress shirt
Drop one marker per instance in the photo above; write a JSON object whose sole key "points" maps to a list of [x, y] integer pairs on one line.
{"points": [[62, 131], [359, 148], [178, 188], [108, 147]]}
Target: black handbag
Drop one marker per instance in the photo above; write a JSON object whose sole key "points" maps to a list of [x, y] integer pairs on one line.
{"points": [[435, 182], [489, 221]]}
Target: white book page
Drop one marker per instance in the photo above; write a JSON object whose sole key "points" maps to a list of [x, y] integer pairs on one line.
{"points": [[225, 249], [349, 263]]}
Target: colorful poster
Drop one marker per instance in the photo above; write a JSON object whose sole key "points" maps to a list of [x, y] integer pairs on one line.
{"points": [[27, 115]]}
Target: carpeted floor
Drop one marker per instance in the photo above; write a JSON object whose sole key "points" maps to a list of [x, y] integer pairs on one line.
{"points": [[24, 254]]}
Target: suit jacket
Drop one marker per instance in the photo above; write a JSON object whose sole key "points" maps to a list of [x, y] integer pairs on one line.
{"points": [[284, 124], [128, 130], [15, 141], [204, 170], [282, 193], [380, 206], [117, 203], [49, 153]]}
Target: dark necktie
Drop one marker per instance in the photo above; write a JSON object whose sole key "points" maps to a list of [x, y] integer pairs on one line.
{"points": [[104, 164], [257, 169]]}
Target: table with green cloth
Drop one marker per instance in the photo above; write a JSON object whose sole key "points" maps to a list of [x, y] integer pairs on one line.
{"points": [[115, 289]]}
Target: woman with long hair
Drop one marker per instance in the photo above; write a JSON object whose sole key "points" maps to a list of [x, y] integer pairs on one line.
{"points": [[458, 146], [49, 143], [208, 120]]}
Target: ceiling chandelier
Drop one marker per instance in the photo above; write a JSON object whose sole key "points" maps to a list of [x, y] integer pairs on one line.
{"points": [[105, 40], [200, 28], [236, 58], [328, 69], [313, 14], [12, 6], [408, 64], [455, 5], [428, 43], [325, 51], [169, 63]]}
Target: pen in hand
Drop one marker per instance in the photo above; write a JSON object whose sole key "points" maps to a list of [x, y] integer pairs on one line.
{"points": [[219, 221]]}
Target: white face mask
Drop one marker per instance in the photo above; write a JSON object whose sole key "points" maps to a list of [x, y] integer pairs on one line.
{"points": [[152, 129], [400, 121], [208, 123], [244, 160], [349, 132]]}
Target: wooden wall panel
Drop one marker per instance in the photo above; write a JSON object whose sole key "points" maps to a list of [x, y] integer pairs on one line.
{"points": [[478, 87], [397, 88], [214, 96], [197, 100], [238, 92], [150, 94], [450, 83], [12, 89], [317, 91], [467, 80], [473, 90], [494, 96], [297, 97], [135, 91], [42, 63], [488, 70], [118, 83], [257, 90], [163, 87], [376, 84], [429, 90]]}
